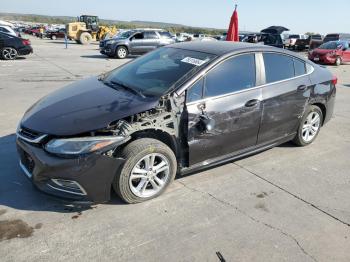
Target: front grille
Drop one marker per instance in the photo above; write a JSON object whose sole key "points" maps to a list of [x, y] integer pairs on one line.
{"points": [[30, 134]]}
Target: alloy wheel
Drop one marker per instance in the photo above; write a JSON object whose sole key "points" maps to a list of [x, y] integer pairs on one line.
{"points": [[311, 126], [149, 175], [9, 53], [122, 53]]}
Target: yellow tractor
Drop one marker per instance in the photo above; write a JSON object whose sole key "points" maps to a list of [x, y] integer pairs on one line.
{"points": [[87, 29]]}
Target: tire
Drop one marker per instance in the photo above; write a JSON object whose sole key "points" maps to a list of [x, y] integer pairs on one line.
{"points": [[337, 61], [122, 52], [9, 53], [53, 37], [309, 130], [136, 153], [85, 38]]}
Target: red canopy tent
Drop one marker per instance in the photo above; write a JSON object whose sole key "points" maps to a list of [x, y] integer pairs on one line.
{"points": [[232, 34]]}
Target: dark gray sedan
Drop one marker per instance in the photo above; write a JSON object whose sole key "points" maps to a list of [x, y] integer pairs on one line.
{"points": [[178, 109], [135, 42]]}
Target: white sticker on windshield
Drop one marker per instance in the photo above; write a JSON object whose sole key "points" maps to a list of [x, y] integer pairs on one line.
{"points": [[193, 61]]}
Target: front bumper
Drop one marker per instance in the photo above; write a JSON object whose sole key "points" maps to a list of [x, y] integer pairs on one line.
{"points": [[107, 50], [90, 176], [329, 60]]}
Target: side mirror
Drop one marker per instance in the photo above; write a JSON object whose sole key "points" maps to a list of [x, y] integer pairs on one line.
{"points": [[131, 39], [207, 123]]}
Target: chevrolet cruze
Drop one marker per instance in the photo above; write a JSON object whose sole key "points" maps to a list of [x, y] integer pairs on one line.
{"points": [[176, 110]]}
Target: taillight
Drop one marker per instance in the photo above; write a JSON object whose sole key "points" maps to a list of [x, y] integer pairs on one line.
{"points": [[335, 80], [26, 42]]}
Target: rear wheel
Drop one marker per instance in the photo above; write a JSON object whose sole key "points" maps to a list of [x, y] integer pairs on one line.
{"points": [[149, 168], [310, 126], [85, 38], [122, 52], [9, 53], [53, 37]]}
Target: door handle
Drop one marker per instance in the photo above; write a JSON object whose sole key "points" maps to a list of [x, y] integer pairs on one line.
{"points": [[302, 88], [252, 103]]}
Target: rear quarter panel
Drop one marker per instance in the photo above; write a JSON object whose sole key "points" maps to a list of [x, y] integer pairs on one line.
{"points": [[323, 91]]}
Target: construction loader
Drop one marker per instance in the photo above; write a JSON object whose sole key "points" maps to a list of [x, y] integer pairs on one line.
{"points": [[87, 29]]}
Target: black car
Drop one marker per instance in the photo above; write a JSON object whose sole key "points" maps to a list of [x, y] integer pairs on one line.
{"points": [[178, 109], [274, 40], [11, 46]]}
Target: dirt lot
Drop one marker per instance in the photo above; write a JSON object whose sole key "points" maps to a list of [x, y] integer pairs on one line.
{"points": [[285, 204]]}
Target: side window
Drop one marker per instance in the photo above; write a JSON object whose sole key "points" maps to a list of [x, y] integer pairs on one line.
{"points": [[195, 92], [138, 36], [299, 67], [237, 73], [278, 67], [150, 35]]}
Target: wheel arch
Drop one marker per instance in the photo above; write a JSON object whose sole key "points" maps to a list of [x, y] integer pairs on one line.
{"points": [[159, 135], [323, 109], [121, 45]]}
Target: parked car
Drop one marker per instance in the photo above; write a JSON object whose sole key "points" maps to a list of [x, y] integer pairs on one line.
{"points": [[57, 34], [12, 46], [135, 42], [171, 111], [183, 37], [292, 39], [336, 37], [334, 52], [274, 40], [313, 41], [7, 30]]}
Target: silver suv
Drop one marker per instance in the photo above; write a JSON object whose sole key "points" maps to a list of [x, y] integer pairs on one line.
{"points": [[135, 42]]}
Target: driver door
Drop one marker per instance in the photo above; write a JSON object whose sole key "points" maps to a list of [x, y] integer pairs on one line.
{"points": [[227, 96]]}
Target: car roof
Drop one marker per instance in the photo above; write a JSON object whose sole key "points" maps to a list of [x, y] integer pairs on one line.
{"points": [[221, 48]]}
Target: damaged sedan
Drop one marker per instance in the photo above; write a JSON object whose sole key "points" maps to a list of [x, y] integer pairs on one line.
{"points": [[176, 110]]}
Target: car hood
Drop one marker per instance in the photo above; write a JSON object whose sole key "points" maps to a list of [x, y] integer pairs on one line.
{"points": [[323, 51], [83, 106]]}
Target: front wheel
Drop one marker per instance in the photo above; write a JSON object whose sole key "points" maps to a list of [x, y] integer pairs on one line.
{"points": [[53, 37], [122, 52], [309, 127], [149, 168], [9, 53], [337, 61]]}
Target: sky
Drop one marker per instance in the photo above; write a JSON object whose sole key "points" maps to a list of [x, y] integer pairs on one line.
{"points": [[300, 16]]}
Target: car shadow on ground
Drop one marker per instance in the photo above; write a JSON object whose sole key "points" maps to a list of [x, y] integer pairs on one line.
{"points": [[106, 57], [17, 192], [97, 56]]}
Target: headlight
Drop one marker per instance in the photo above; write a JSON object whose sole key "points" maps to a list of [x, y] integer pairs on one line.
{"points": [[111, 42], [82, 145]]}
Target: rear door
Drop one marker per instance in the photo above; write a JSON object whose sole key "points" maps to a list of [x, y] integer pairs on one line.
{"points": [[151, 40], [284, 97], [346, 53], [227, 95]]}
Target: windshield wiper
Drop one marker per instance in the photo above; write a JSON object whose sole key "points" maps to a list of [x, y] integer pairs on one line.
{"points": [[122, 85]]}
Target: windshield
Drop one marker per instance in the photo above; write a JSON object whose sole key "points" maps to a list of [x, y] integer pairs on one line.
{"points": [[294, 36], [155, 73], [331, 45], [125, 35]]}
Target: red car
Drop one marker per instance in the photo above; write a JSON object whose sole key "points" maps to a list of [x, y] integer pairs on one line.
{"points": [[334, 53]]}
